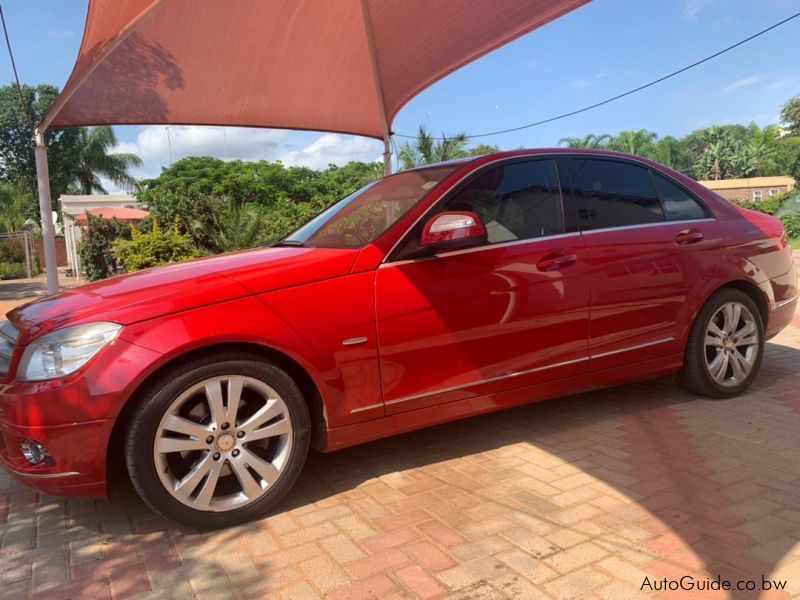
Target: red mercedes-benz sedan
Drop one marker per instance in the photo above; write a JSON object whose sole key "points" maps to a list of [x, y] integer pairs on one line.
{"points": [[433, 294]]}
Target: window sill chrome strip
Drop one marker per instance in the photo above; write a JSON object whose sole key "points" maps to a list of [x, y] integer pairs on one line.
{"points": [[512, 375], [785, 303], [482, 248], [643, 225]]}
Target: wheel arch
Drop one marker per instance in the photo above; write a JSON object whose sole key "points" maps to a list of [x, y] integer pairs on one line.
{"points": [[755, 293], [115, 463]]}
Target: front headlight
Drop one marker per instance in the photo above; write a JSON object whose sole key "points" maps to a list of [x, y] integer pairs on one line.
{"points": [[65, 351]]}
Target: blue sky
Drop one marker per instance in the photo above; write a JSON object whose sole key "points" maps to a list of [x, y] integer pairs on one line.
{"points": [[593, 53]]}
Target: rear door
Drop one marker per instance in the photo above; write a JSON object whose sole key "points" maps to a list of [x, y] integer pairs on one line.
{"points": [[652, 249]]}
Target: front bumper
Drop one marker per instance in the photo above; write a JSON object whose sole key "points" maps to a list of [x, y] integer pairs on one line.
{"points": [[78, 451], [72, 418]]}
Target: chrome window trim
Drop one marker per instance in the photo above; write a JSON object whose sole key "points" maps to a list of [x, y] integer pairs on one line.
{"points": [[460, 180], [554, 157], [642, 225], [481, 248]]}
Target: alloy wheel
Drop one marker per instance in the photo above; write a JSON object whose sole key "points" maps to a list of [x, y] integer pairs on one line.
{"points": [[223, 443], [731, 344]]}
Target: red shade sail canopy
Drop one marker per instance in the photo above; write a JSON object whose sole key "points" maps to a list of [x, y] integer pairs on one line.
{"points": [[331, 65]]}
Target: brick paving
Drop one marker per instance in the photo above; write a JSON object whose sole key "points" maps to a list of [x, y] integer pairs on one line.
{"points": [[577, 497]]}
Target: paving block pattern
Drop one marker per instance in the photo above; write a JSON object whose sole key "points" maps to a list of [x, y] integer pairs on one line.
{"points": [[579, 497]]}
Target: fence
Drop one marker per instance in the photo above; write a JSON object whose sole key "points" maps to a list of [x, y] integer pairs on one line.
{"points": [[18, 257]]}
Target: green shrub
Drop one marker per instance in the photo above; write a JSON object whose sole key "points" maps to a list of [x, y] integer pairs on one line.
{"points": [[158, 247], [791, 223], [13, 271], [96, 256], [770, 206]]}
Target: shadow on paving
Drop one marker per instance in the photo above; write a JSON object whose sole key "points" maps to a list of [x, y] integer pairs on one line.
{"points": [[718, 477], [712, 473]]}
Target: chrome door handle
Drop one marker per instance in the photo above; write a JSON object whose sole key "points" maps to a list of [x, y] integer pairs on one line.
{"points": [[688, 236], [557, 260]]}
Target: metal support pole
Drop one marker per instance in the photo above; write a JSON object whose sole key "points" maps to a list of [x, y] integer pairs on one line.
{"points": [[27, 254], [46, 212], [387, 156]]}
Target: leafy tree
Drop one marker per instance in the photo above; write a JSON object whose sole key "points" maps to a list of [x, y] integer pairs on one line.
{"points": [[787, 154], [16, 140], [669, 151], [233, 227], [426, 150], [639, 143], [790, 115], [588, 141], [16, 205], [762, 147], [96, 158], [96, 256], [481, 150], [262, 182]]}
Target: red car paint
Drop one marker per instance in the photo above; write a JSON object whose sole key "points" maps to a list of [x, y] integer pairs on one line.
{"points": [[459, 334]]}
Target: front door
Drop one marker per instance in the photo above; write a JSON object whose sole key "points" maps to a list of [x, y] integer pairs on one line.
{"points": [[510, 313]]}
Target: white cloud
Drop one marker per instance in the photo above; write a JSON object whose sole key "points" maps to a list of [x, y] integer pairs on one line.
{"points": [[60, 33], [153, 142], [692, 8], [332, 148], [739, 84], [580, 83], [531, 64]]}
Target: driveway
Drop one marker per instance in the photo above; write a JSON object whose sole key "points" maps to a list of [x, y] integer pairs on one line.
{"points": [[577, 497]]}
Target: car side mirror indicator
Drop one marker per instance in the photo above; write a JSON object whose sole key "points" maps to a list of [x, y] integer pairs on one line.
{"points": [[452, 230]]}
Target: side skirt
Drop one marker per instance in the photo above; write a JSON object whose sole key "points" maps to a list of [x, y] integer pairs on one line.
{"points": [[359, 433]]}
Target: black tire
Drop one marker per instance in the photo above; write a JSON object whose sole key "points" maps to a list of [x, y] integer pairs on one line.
{"points": [[695, 376], [156, 400]]}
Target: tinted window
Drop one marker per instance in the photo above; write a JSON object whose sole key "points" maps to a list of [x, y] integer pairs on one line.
{"points": [[613, 194], [678, 205], [365, 214], [516, 201]]}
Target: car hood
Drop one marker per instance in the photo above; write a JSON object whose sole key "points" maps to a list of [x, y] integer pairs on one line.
{"points": [[155, 292]]}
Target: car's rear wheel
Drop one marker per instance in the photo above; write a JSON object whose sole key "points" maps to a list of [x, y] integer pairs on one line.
{"points": [[725, 347], [217, 442]]}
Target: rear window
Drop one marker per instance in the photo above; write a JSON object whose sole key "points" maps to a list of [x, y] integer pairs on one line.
{"points": [[678, 204], [613, 194]]}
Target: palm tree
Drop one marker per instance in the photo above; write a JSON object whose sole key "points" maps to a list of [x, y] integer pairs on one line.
{"points": [[96, 158], [638, 143], [790, 115], [762, 146], [588, 141], [667, 151], [16, 205], [426, 150], [233, 227]]}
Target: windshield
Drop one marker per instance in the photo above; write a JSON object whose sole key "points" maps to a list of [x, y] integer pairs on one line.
{"points": [[360, 218]]}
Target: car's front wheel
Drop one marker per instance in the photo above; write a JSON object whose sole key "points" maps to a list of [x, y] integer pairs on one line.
{"points": [[214, 443], [725, 346]]}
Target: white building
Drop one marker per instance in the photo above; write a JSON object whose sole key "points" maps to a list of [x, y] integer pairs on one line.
{"points": [[74, 208]]}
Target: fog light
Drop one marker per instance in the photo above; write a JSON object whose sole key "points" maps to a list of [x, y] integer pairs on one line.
{"points": [[34, 452]]}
